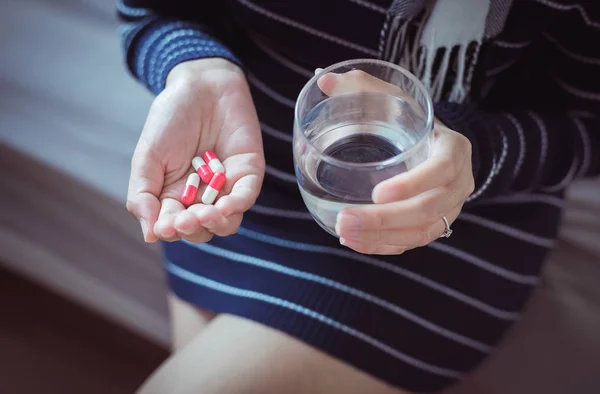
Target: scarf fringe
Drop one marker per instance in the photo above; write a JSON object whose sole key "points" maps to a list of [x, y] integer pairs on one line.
{"points": [[400, 45]]}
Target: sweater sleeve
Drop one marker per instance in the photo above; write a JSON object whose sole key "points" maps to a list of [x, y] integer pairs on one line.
{"points": [[157, 35], [553, 137]]}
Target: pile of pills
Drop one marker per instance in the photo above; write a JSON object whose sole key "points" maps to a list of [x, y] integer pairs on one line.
{"points": [[210, 170]]}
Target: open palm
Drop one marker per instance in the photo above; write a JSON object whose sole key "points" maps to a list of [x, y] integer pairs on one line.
{"points": [[210, 109]]}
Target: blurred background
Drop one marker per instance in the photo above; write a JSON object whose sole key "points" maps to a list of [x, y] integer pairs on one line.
{"points": [[82, 298]]}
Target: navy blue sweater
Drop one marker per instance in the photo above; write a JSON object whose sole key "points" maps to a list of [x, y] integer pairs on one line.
{"points": [[532, 117], [536, 128]]}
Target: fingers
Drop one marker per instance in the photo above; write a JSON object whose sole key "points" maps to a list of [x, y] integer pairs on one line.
{"points": [[242, 196], [398, 241], [450, 159], [199, 222], [145, 184], [212, 220], [230, 226], [356, 81], [377, 249], [424, 209], [188, 227], [165, 225], [409, 207], [145, 206], [223, 218]]}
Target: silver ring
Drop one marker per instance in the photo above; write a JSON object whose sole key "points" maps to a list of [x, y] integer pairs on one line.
{"points": [[447, 231]]}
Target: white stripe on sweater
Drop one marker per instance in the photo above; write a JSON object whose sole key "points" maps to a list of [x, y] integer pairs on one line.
{"points": [[129, 31], [280, 135], [522, 145], [281, 59], [587, 145], [501, 68], [485, 265], [525, 199], [507, 230], [308, 29], [282, 269], [496, 167], [282, 175], [260, 85], [511, 45], [165, 61], [239, 292], [188, 41], [566, 181], [371, 6], [595, 96], [125, 29], [565, 7], [516, 233], [394, 268], [543, 140], [571, 54], [132, 11], [148, 43], [282, 213]]}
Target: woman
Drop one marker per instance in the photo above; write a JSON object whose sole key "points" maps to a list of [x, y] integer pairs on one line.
{"points": [[274, 304]]}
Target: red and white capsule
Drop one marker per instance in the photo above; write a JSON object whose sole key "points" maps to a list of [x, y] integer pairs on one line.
{"points": [[214, 187], [191, 189], [202, 169], [213, 161]]}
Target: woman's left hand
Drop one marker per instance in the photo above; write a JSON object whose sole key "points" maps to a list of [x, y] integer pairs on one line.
{"points": [[409, 207]]}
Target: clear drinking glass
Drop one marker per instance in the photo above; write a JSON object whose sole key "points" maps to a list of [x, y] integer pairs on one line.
{"points": [[346, 144]]}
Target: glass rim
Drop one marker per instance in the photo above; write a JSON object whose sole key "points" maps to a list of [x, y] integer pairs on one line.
{"points": [[392, 160]]}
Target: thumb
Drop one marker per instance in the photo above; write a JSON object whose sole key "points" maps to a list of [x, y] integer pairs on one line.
{"points": [[145, 185], [356, 81]]}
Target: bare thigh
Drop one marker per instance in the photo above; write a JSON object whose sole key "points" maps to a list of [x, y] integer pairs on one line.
{"points": [[186, 321], [238, 356]]}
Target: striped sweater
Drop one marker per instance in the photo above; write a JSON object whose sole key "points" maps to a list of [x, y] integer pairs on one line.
{"points": [[533, 117]]}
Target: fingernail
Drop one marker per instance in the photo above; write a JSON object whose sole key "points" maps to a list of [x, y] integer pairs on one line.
{"points": [[211, 224], [342, 241], [318, 70], [144, 226], [337, 225], [351, 222]]}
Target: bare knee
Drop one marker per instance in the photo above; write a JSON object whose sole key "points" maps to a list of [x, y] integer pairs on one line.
{"points": [[237, 356], [187, 321]]}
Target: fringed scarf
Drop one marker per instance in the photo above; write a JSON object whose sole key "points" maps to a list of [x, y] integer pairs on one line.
{"points": [[439, 40]]}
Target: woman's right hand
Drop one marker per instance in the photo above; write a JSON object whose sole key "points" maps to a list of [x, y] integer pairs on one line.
{"points": [[206, 105]]}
